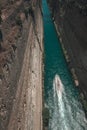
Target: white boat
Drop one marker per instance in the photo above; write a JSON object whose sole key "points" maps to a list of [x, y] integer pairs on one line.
{"points": [[58, 84]]}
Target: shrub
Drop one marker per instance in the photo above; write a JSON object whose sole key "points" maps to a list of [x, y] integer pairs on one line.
{"points": [[1, 38], [0, 20], [19, 21], [0, 11], [1, 35], [0, 15], [31, 12], [26, 13], [46, 117]]}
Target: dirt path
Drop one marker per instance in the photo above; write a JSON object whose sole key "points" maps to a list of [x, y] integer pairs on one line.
{"points": [[27, 106]]}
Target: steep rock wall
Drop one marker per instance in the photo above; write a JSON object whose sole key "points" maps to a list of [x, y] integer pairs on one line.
{"points": [[70, 17], [21, 82]]}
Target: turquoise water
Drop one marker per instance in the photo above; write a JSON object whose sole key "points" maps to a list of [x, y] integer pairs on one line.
{"points": [[66, 111]]}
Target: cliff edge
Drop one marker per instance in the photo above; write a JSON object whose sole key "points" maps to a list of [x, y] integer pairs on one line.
{"points": [[71, 21]]}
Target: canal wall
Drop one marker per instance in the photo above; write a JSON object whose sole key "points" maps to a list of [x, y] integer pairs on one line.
{"points": [[21, 83], [28, 97], [70, 22], [10, 67], [67, 57]]}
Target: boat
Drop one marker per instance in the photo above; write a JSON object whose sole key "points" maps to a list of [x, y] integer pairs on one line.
{"points": [[58, 84]]}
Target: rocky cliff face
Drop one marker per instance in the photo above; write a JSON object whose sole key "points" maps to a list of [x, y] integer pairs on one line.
{"points": [[21, 66], [71, 20]]}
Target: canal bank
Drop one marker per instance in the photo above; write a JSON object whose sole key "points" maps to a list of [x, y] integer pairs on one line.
{"points": [[67, 57], [65, 107], [27, 104], [70, 23], [70, 57], [72, 71]]}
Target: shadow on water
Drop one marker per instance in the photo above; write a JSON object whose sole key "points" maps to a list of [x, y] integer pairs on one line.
{"points": [[65, 109]]}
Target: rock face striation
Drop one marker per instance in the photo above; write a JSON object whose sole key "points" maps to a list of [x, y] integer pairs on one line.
{"points": [[70, 17], [21, 67]]}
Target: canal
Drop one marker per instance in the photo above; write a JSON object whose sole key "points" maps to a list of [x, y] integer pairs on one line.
{"points": [[66, 111]]}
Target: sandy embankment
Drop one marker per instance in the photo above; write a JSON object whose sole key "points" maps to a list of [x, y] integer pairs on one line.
{"points": [[27, 109]]}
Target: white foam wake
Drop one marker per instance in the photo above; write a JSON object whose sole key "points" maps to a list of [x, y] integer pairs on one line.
{"points": [[66, 112], [58, 101]]}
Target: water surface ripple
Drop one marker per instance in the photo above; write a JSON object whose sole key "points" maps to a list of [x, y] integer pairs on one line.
{"points": [[66, 111]]}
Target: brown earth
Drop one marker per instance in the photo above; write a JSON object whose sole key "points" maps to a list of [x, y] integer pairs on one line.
{"points": [[27, 108], [21, 72]]}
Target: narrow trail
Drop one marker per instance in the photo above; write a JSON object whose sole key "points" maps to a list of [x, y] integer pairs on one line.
{"points": [[27, 104]]}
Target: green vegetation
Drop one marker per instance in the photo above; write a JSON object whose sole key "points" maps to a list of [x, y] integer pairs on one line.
{"points": [[46, 117]]}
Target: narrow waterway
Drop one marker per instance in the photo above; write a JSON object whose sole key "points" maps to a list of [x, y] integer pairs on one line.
{"points": [[66, 111]]}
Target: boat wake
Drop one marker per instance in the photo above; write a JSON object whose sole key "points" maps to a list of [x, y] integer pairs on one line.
{"points": [[59, 111], [63, 116]]}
